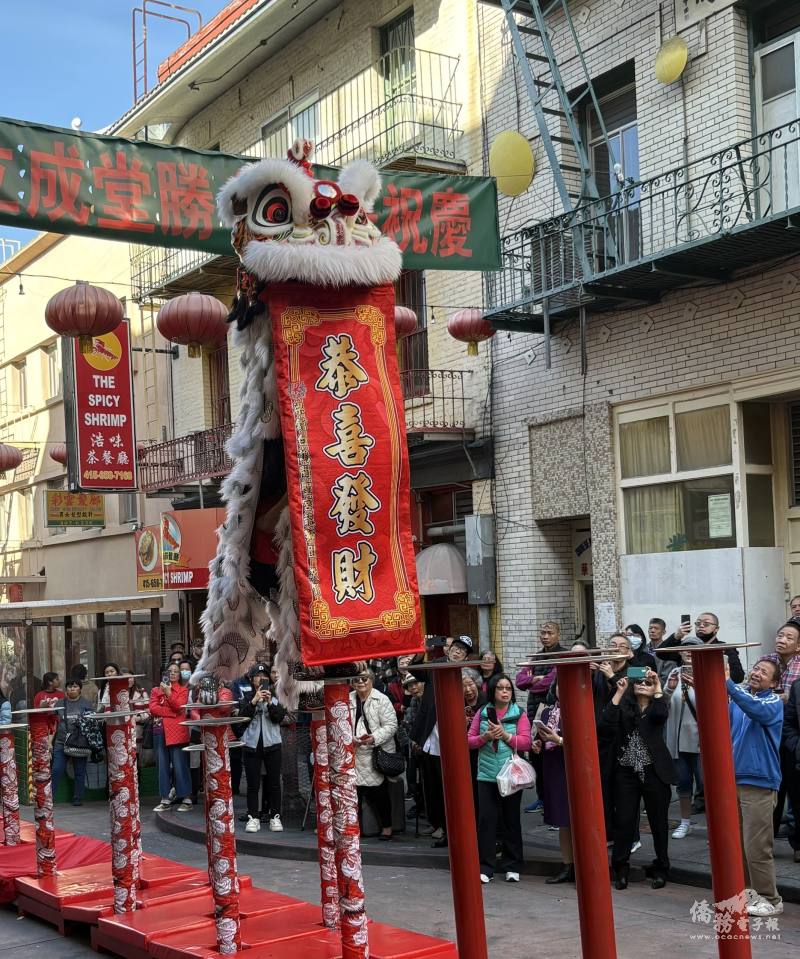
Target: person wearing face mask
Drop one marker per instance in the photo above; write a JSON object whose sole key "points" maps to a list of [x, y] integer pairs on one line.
{"points": [[706, 628], [638, 641], [167, 702]]}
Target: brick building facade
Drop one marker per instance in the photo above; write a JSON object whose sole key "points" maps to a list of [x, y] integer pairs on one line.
{"points": [[672, 447]]}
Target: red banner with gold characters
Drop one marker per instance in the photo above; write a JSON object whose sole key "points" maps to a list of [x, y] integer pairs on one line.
{"points": [[347, 471], [104, 452]]}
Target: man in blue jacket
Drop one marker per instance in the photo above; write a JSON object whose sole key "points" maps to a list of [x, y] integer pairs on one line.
{"points": [[756, 717]]}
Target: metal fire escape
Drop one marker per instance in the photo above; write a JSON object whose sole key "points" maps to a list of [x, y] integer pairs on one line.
{"points": [[556, 109]]}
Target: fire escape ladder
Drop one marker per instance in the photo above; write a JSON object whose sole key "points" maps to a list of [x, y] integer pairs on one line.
{"points": [[530, 25]]}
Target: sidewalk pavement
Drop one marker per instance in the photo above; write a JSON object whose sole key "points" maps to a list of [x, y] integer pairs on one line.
{"points": [[689, 857]]}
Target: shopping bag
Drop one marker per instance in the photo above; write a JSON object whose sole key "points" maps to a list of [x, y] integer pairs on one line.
{"points": [[515, 774]]}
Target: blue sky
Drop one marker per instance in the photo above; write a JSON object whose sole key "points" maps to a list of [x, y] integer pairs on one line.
{"points": [[62, 60]]}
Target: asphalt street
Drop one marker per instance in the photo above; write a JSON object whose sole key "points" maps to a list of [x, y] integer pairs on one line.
{"points": [[530, 920]]}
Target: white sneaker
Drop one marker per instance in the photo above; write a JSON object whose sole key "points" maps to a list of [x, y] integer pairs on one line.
{"points": [[485, 878], [163, 806], [253, 824], [635, 846], [682, 831], [275, 824], [437, 833], [765, 909], [172, 795], [512, 877]]}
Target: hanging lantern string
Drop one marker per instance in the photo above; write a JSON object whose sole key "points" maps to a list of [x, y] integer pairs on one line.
{"points": [[222, 291]]}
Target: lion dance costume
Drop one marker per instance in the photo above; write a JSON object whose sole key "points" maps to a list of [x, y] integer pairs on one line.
{"points": [[316, 553]]}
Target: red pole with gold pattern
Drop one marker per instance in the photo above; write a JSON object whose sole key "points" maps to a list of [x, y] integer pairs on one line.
{"points": [[329, 892], [121, 793], [120, 702], [9, 784], [41, 725], [344, 806], [220, 822]]}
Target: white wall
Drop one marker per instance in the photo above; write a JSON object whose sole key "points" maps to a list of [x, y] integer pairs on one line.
{"points": [[743, 587]]}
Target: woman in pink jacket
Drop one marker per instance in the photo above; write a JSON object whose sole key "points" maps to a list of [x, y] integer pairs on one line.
{"points": [[166, 702]]}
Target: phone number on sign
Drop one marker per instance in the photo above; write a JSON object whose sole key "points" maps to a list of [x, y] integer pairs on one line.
{"points": [[108, 474], [157, 583]]}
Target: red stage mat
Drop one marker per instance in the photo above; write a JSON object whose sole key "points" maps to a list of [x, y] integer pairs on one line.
{"points": [[84, 894], [27, 832], [344, 437], [71, 851], [158, 920], [289, 922]]}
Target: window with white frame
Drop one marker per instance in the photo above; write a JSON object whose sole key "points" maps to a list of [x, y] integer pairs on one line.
{"points": [[679, 464], [21, 384], [25, 513], [53, 370], [128, 508], [299, 121]]}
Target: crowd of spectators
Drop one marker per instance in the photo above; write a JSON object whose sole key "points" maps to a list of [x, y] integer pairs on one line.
{"points": [[645, 708]]}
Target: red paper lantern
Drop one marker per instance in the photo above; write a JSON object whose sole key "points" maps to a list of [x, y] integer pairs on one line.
{"points": [[405, 322], [84, 311], [59, 453], [10, 458], [471, 327], [194, 320]]}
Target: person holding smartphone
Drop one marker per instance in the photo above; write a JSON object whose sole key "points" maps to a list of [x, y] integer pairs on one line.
{"points": [[706, 629], [499, 730], [261, 750], [634, 720], [167, 702], [682, 736]]}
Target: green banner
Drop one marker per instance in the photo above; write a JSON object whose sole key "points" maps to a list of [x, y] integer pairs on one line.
{"points": [[62, 181]]}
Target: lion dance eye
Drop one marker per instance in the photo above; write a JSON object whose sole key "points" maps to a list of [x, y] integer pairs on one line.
{"points": [[273, 207]]}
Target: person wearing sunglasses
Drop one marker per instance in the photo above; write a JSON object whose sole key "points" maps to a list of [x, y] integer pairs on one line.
{"points": [[706, 629], [643, 770]]}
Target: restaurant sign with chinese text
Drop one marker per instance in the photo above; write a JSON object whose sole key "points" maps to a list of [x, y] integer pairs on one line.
{"points": [[63, 181], [74, 509], [347, 471], [101, 447]]}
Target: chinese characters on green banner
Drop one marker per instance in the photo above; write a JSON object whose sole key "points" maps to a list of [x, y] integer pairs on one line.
{"points": [[67, 182]]}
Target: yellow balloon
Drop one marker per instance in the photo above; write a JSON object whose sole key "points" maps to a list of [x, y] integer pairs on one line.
{"points": [[511, 162], [671, 60]]}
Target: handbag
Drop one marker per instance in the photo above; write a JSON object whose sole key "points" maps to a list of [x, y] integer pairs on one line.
{"points": [[390, 764], [515, 774], [76, 744]]}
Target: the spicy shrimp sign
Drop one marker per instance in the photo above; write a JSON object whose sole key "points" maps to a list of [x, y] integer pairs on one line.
{"points": [[102, 455]]}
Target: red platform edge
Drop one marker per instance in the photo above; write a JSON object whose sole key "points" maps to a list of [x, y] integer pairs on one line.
{"points": [[273, 925]]}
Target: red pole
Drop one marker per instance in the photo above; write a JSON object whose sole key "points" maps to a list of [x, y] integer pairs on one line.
{"points": [[329, 892], [722, 809], [221, 837], [119, 698], [124, 864], [595, 910], [346, 833], [43, 793], [461, 828], [9, 786]]}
